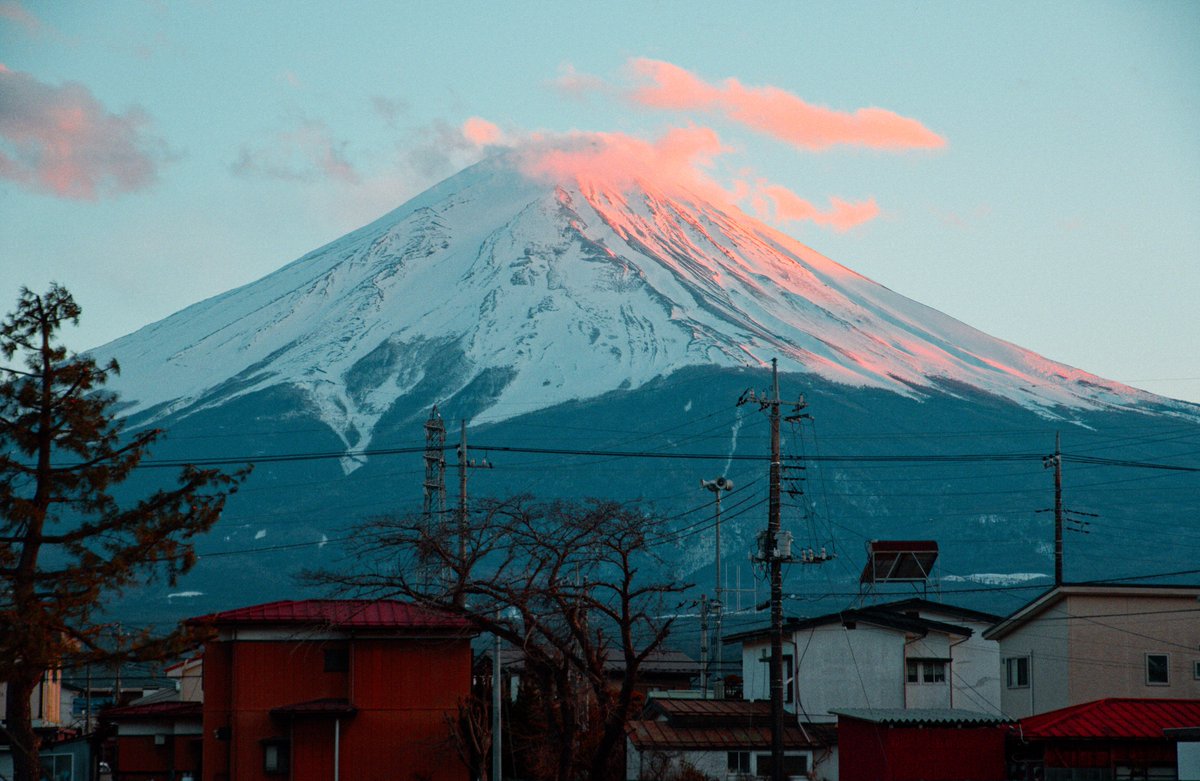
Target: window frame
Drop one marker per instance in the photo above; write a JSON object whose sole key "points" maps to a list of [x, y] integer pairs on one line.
{"points": [[283, 756], [738, 762], [1013, 667], [926, 671], [1196, 669], [1166, 669]]}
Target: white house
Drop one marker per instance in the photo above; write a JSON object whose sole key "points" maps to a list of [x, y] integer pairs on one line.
{"points": [[912, 653], [1080, 643]]}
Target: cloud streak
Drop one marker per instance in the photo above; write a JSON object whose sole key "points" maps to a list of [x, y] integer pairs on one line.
{"points": [[773, 111], [60, 140], [307, 153], [786, 206]]}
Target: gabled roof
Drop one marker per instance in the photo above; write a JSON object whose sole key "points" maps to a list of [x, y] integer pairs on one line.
{"points": [[687, 709], [156, 710], [664, 736], [336, 614], [878, 615], [917, 717], [1120, 718], [929, 606], [1048, 599]]}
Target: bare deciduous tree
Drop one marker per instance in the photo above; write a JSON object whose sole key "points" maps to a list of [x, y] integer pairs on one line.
{"points": [[563, 582]]}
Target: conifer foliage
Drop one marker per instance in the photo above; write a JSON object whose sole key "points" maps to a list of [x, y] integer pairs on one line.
{"points": [[67, 544]]}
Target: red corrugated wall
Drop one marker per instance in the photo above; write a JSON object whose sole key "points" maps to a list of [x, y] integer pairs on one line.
{"points": [[402, 690], [875, 752]]}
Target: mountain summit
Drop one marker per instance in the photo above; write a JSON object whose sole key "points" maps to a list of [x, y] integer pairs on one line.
{"points": [[530, 286]]}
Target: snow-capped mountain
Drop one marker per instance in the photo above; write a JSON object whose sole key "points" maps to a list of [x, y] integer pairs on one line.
{"points": [[551, 290]]}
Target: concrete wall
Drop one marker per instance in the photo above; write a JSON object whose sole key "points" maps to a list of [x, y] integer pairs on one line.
{"points": [[838, 668]]}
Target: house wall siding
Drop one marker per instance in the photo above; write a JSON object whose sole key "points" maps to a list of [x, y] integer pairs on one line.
{"points": [[1045, 643], [1108, 653]]}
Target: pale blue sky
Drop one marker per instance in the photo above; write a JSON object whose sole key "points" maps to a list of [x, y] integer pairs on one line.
{"points": [[1063, 214]]}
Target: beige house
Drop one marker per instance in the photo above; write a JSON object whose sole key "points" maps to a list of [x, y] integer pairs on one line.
{"points": [[1079, 643]]}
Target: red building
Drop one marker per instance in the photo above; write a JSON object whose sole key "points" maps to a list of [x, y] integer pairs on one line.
{"points": [[157, 737], [1126, 737], [920, 745], [329, 689]]}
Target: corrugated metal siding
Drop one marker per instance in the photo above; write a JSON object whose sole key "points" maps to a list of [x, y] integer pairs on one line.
{"points": [[1114, 718]]}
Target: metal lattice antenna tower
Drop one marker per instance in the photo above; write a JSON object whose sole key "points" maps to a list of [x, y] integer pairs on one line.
{"points": [[435, 465]]}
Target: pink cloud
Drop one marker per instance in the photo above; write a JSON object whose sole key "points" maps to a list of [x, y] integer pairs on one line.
{"points": [[842, 215], [776, 112], [61, 140], [578, 84], [676, 161], [682, 160], [480, 132], [309, 152]]}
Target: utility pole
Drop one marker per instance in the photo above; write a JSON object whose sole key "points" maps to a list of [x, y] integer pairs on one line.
{"points": [[1056, 462], [776, 565], [464, 463], [774, 550], [718, 606], [497, 699], [704, 646]]}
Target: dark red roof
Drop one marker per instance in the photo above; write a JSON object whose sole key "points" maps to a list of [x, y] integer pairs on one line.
{"points": [[663, 736], [156, 710], [337, 613], [327, 706], [727, 709], [1130, 719]]}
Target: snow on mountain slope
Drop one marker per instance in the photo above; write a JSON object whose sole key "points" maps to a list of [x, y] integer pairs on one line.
{"points": [[565, 289]]}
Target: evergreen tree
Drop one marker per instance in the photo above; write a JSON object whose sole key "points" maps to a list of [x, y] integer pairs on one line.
{"points": [[67, 545]]}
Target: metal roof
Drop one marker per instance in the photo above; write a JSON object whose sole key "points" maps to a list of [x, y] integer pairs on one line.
{"points": [[155, 710], [921, 716], [665, 736], [337, 614], [1121, 718], [877, 615], [711, 709]]}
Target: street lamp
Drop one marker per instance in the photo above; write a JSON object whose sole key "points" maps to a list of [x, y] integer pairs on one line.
{"points": [[718, 485]]}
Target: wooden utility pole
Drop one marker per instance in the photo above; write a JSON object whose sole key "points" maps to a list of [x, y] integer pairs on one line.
{"points": [[704, 646], [774, 551], [1056, 461], [775, 562]]}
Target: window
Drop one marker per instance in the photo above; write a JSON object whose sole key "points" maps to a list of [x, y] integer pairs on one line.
{"points": [[789, 679], [1196, 670], [925, 671], [276, 756], [1016, 672], [1158, 669], [337, 660], [793, 764], [58, 767], [739, 762]]}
